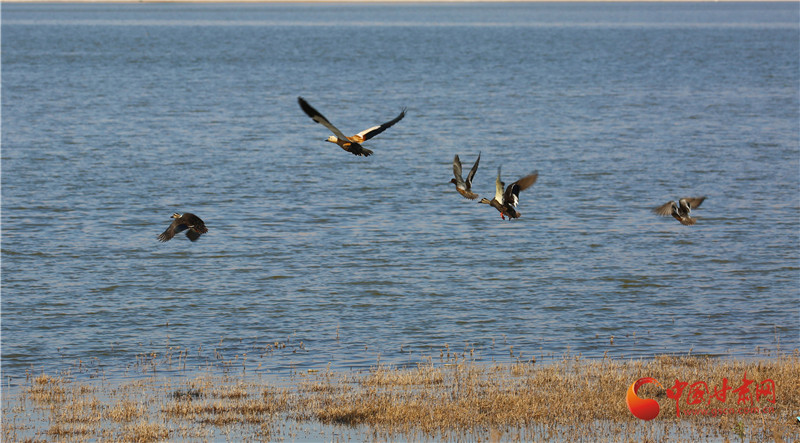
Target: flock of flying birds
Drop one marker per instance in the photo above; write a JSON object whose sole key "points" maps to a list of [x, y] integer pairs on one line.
{"points": [[505, 198]]}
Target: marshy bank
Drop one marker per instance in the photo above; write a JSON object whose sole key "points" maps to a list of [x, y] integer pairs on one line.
{"points": [[570, 399]]}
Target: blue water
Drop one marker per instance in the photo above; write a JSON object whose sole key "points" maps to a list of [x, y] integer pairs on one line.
{"points": [[114, 116]]}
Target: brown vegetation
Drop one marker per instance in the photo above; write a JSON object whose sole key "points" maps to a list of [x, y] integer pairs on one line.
{"points": [[573, 399]]}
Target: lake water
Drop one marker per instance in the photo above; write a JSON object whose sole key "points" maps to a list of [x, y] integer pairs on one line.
{"points": [[114, 116]]}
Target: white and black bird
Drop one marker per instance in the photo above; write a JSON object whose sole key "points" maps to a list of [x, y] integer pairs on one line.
{"points": [[464, 187], [681, 209], [190, 223], [506, 201], [349, 144]]}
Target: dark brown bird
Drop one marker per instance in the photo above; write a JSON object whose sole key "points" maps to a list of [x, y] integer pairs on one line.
{"points": [[681, 210], [190, 223], [506, 201], [349, 144], [464, 187]]}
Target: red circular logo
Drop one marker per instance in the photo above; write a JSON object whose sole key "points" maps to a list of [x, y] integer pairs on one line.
{"points": [[644, 408]]}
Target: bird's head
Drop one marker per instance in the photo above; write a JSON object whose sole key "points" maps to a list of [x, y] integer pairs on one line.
{"points": [[175, 215], [453, 181], [332, 139], [484, 200]]}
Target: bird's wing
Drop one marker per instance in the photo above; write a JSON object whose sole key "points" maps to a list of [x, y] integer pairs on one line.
{"points": [[665, 209], [357, 149], [173, 229], [195, 223], [375, 130], [498, 188], [192, 235], [319, 118], [167, 235], [457, 172], [694, 202], [472, 171], [511, 195], [526, 182]]}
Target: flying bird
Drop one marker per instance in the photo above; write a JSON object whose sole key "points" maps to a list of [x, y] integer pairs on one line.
{"points": [[349, 144], [190, 223], [506, 201], [681, 210], [464, 187]]}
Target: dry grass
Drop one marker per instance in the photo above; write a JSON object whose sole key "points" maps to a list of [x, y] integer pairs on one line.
{"points": [[572, 399]]}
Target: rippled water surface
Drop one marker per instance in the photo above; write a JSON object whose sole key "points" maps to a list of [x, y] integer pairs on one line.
{"points": [[116, 116]]}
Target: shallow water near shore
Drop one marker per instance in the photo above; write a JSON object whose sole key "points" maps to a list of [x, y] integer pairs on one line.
{"points": [[116, 116]]}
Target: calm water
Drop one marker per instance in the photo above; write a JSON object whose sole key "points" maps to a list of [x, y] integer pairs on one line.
{"points": [[116, 116]]}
